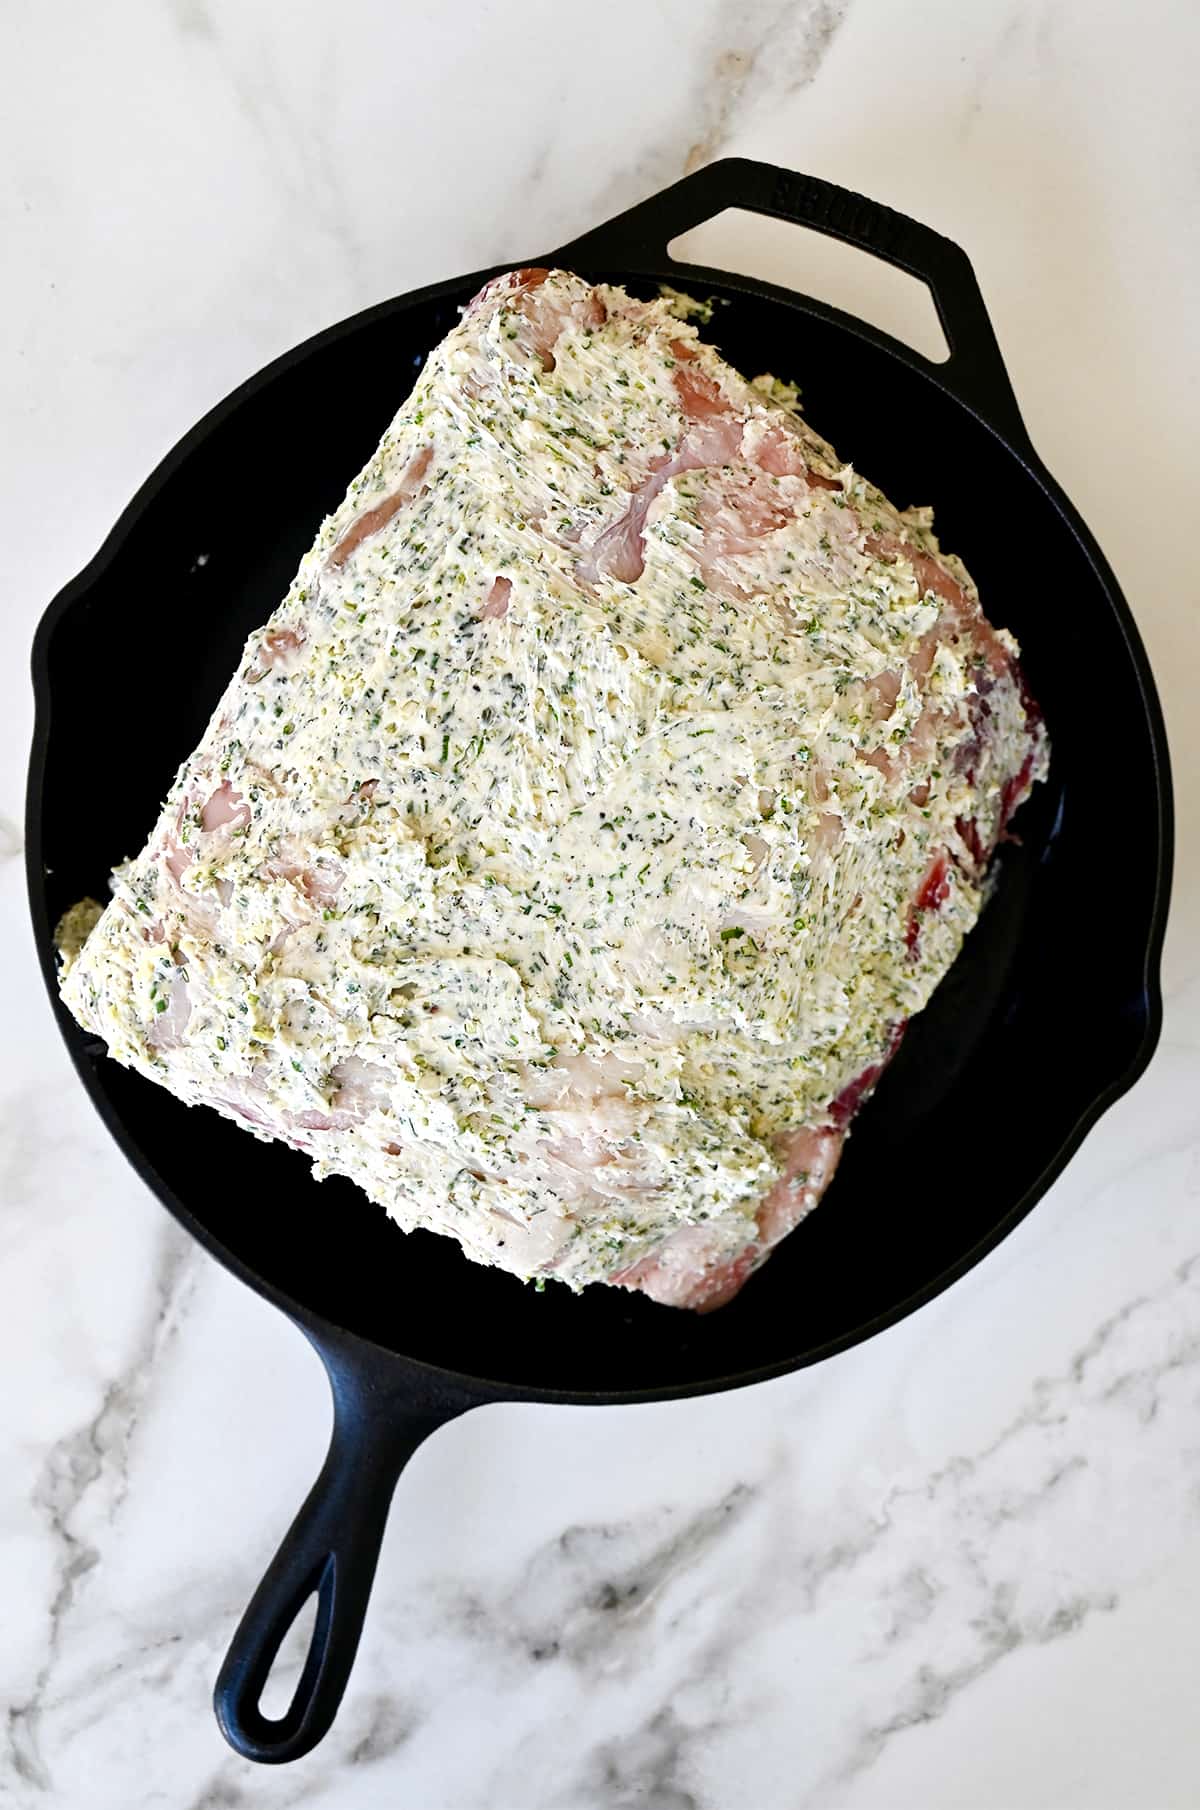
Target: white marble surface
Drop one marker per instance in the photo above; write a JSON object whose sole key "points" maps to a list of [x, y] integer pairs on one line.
{"points": [[959, 1566]]}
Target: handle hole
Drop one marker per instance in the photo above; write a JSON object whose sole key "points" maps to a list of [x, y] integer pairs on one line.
{"points": [[287, 1668], [796, 257]]}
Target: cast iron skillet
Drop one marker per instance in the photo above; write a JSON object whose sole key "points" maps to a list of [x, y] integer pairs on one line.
{"points": [[1051, 1012]]}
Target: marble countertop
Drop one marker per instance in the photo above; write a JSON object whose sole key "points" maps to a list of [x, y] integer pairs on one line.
{"points": [[958, 1566]]}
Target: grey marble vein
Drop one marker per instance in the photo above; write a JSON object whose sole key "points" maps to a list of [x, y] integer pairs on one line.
{"points": [[1007, 32], [579, 1599], [778, 50], [93, 1458], [372, 1730], [933, 1690], [382, 1727], [976, 1507], [193, 18], [294, 136], [647, 1768], [672, 1631], [233, 1786], [742, 61], [990, 1508]]}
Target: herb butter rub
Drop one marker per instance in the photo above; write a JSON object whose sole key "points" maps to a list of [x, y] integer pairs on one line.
{"points": [[616, 779]]}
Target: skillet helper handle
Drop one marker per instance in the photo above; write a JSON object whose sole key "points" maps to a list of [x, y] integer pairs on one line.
{"points": [[331, 1549], [974, 372]]}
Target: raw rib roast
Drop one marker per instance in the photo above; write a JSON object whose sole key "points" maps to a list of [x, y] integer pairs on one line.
{"points": [[571, 847]]}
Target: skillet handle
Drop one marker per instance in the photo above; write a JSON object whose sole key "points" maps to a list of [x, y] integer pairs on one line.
{"points": [[974, 372], [331, 1548]]}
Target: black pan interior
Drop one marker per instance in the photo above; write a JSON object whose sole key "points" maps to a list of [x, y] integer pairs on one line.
{"points": [[1042, 1014]]}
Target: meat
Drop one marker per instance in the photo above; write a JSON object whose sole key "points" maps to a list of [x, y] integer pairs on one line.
{"points": [[374, 520], [564, 861], [691, 1269]]}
